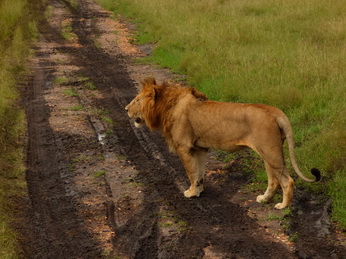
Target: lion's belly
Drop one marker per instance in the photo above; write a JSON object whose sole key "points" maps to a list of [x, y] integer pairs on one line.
{"points": [[223, 144]]}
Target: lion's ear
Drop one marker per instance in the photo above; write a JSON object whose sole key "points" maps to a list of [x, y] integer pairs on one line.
{"points": [[149, 81], [198, 94], [153, 93]]}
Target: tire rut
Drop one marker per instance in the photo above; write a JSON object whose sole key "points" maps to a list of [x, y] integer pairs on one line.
{"points": [[57, 226], [135, 207]]}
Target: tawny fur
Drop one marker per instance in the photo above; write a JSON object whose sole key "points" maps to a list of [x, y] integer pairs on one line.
{"points": [[191, 124]]}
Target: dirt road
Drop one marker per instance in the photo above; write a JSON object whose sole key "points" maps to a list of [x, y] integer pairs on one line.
{"points": [[100, 188]]}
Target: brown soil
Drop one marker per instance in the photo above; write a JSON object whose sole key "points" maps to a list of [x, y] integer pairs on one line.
{"points": [[100, 188]]}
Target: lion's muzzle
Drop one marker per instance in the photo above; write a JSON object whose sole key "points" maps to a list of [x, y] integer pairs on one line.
{"points": [[138, 122]]}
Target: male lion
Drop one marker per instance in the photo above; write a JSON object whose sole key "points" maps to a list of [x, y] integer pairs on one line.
{"points": [[191, 124]]}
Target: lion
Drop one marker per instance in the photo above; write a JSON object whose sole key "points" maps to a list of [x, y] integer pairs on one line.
{"points": [[191, 124]]}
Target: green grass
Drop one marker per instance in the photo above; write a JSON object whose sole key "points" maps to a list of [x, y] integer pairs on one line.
{"points": [[99, 173], [338, 193], [67, 31], [107, 120], [73, 3], [272, 216], [17, 23], [90, 85], [72, 92], [76, 108], [60, 80], [290, 54]]}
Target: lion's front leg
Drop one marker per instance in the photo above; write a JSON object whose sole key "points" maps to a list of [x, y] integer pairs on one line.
{"points": [[194, 164]]}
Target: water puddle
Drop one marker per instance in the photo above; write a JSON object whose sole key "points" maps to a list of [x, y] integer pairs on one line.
{"points": [[101, 137]]}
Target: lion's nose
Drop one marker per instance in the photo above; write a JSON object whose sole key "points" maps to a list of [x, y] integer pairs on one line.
{"points": [[126, 108]]}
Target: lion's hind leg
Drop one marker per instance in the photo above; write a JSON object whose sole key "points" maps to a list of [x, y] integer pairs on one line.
{"points": [[277, 174], [273, 185], [287, 185]]}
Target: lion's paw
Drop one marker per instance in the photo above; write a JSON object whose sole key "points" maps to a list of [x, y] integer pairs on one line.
{"points": [[261, 199], [191, 193], [280, 206], [200, 188]]}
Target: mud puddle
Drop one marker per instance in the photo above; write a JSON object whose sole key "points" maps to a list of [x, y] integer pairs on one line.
{"points": [[100, 188]]}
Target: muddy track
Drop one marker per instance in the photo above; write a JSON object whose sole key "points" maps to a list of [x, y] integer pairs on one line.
{"points": [[100, 188]]}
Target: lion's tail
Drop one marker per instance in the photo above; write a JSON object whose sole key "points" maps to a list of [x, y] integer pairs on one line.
{"points": [[285, 125]]}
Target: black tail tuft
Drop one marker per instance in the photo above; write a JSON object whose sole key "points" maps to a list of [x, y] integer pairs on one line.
{"points": [[316, 173]]}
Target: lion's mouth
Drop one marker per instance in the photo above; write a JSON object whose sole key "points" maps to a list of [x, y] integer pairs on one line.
{"points": [[138, 122]]}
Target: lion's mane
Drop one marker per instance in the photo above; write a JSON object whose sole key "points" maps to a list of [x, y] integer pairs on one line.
{"points": [[159, 101]]}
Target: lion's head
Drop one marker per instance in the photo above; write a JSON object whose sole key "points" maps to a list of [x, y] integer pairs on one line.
{"points": [[134, 109], [154, 103], [137, 106]]}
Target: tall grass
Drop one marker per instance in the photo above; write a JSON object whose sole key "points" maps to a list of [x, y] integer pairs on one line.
{"points": [[290, 54], [17, 28]]}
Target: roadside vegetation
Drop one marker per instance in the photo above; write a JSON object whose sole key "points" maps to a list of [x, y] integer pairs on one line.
{"points": [[17, 29], [290, 54]]}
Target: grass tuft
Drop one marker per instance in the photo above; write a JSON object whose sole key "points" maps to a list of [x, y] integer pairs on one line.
{"points": [[99, 173]]}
